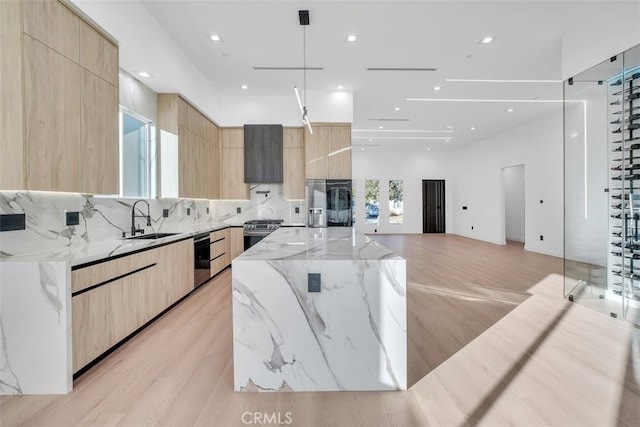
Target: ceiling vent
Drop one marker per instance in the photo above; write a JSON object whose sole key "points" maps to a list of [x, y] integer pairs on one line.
{"points": [[288, 68], [399, 69]]}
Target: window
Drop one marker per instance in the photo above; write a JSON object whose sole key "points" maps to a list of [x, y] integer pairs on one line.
{"points": [[372, 196], [395, 201], [137, 156]]}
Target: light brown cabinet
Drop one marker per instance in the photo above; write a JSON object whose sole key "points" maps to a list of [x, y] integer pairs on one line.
{"points": [[99, 122], [219, 251], [232, 184], [52, 119], [61, 99], [98, 55], [114, 298], [54, 25], [198, 147], [12, 167], [293, 184], [328, 151], [236, 235]]}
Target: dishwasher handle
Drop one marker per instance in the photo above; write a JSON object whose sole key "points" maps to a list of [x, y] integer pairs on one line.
{"points": [[201, 238]]}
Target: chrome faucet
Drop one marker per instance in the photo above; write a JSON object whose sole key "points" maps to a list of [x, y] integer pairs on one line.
{"points": [[134, 230]]}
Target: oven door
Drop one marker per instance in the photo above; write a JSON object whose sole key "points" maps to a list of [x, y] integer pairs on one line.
{"points": [[202, 262], [251, 239]]}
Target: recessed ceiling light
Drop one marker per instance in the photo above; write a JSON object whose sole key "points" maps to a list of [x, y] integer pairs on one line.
{"points": [[447, 140], [245, 87], [436, 88], [352, 38], [362, 149], [340, 87], [487, 40], [449, 127], [510, 110], [429, 149], [473, 128], [397, 108], [370, 140], [215, 38], [380, 127], [144, 74]]}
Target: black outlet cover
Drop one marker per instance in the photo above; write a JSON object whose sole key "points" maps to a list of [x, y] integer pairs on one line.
{"points": [[165, 213], [314, 283], [188, 211], [72, 218], [297, 209], [238, 209], [464, 208], [11, 222]]}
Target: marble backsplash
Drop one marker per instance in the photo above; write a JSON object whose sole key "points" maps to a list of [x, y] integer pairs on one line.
{"points": [[105, 218]]}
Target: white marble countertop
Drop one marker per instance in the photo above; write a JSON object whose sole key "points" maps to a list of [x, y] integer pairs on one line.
{"points": [[333, 243], [78, 254]]}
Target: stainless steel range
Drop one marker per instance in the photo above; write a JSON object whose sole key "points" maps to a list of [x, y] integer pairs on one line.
{"points": [[256, 230]]}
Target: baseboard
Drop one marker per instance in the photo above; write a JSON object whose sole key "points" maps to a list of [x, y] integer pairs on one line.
{"points": [[544, 251], [495, 242]]}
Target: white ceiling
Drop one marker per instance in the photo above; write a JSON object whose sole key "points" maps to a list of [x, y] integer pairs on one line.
{"points": [[424, 34]]}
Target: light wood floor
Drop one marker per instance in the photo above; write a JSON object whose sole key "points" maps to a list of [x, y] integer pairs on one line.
{"points": [[491, 342]]}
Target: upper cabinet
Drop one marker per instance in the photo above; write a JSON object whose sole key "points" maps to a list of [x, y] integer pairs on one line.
{"points": [[328, 151], [98, 54], [232, 185], [59, 101], [293, 163], [198, 147], [263, 154]]}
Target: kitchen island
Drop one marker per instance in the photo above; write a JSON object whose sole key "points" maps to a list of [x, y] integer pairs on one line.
{"points": [[319, 309]]}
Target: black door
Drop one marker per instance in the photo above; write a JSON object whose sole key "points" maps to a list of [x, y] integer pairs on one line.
{"points": [[433, 206]]}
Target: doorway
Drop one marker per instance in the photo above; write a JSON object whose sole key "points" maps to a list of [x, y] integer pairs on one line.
{"points": [[433, 207], [513, 187]]}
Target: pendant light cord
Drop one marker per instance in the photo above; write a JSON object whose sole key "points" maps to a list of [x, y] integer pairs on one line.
{"points": [[304, 63]]}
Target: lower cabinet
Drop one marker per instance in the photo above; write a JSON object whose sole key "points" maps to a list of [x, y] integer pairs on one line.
{"points": [[220, 254], [112, 299], [237, 241]]}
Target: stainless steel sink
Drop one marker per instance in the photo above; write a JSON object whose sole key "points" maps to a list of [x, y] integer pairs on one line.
{"points": [[151, 236]]}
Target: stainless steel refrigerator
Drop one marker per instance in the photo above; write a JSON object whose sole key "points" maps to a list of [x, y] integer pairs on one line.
{"points": [[329, 203]]}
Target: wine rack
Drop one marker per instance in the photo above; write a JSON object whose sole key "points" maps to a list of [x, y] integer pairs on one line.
{"points": [[624, 185]]}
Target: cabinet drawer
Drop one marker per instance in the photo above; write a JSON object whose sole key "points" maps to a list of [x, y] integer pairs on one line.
{"points": [[220, 234], [219, 264], [109, 270], [218, 248]]}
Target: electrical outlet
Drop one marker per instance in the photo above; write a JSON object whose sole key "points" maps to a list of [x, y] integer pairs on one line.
{"points": [[188, 211], [165, 213], [11, 222], [207, 210], [314, 283], [238, 210], [297, 210], [541, 237], [472, 227], [72, 218]]}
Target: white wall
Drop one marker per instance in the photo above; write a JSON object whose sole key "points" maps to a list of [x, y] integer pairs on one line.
{"points": [[513, 182], [473, 178], [477, 184], [412, 168]]}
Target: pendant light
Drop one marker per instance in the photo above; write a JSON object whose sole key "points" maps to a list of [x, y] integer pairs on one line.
{"points": [[303, 15]]}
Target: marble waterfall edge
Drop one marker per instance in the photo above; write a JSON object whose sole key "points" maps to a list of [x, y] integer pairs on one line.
{"points": [[350, 336]]}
